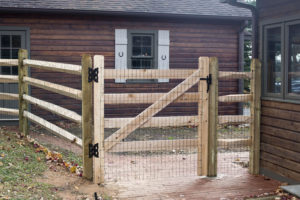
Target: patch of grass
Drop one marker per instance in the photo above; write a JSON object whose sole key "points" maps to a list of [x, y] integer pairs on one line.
{"points": [[20, 165]]}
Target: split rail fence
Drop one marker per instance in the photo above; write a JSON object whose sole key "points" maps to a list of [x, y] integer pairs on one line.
{"points": [[93, 121]]}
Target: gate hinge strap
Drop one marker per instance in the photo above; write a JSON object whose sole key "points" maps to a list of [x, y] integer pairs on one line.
{"points": [[208, 80], [93, 74], [94, 150]]}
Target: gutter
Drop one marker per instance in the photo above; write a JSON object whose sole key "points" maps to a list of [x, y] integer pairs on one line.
{"points": [[121, 13], [254, 23]]}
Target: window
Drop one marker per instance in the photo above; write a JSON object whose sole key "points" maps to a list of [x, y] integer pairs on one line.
{"points": [[141, 49], [294, 60], [273, 60], [11, 40], [282, 60], [10, 43]]}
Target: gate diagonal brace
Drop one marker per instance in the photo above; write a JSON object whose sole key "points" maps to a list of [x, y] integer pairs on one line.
{"points": [[93, 74], [94, 150], [208, 80]]}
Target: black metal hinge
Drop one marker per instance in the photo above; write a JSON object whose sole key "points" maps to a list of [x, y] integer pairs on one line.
{"points": [[208, 80], [93, 150], [93, 74]]}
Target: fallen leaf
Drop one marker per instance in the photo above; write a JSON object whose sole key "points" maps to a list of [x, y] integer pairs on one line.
{"points": [[1, 164], [73, 169]]}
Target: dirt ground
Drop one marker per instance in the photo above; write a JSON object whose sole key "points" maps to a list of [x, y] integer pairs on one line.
{"points": [[72, 187]]}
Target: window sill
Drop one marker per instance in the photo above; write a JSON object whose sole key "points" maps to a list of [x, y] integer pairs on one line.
{"points": [[294, 101]]}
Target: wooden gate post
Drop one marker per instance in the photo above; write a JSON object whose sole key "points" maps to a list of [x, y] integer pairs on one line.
{"points": [[23, 89], [99, 119], [213, 117], [208, 116], [255, 110], [203, 119], [87, 116]]}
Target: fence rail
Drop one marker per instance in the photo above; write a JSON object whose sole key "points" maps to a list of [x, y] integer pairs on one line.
{"points": [[54, 66], [24, 98]]}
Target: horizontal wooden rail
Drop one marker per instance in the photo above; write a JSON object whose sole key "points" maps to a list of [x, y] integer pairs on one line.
{"points": [[235, 75], [234, 119], [54, 66], [9, 111], [145, 98], [147, 73], [171, 145], [53, 128], [9, 79], [60, 89], [231, 143], [73, 116], [9, 96], [8, 62], [174, 121], [235, 98]]}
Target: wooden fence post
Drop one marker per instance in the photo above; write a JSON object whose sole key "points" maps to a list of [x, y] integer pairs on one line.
{"points": [[87, 116], [99, 119], [23, 89], [202, 162], [255, 110], [213, 117]]}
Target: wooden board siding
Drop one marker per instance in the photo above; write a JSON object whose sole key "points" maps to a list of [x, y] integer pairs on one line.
{"points": [[64, 38], [280, 138], [277, 8]]}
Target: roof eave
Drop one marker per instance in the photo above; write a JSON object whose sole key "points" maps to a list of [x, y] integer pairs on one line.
{"points": [[120, 13]]}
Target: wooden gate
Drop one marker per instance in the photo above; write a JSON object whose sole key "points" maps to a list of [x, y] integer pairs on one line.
{"points": [[206, 78]]}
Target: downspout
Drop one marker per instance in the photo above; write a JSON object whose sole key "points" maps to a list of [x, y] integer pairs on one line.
{"points": [[254, 23]]}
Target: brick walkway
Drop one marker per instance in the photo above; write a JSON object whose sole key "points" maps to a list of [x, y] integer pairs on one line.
{"points": [[189, 188]]}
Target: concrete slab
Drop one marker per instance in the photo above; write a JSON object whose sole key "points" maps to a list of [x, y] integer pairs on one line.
{"points": [[292, 189]]}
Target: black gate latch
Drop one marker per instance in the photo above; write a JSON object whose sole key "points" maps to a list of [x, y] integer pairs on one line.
{"points": [[93, 150], [208, 80], [93, 74]]}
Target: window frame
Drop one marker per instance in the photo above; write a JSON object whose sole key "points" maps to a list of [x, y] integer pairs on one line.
{"points": [[154, 34], [265, 69], [284, 21], [287, 59]]}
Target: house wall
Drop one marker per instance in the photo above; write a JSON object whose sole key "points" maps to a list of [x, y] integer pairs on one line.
{"points": [[64, 38], [280, 120]]}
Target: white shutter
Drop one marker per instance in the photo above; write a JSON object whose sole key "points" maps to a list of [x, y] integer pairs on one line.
{"points": [[163, 51], [121, 51]]}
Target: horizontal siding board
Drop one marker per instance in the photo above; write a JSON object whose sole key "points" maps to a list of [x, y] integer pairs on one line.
{"points": [[290, 155], [291, 165], [277, 8], [279, 142], [280, 133], [280, 170]]}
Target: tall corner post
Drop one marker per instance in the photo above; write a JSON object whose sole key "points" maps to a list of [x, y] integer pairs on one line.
{"points": [[23, 89], [87, 116], [99, 119], [255, 111], [213, 117]]}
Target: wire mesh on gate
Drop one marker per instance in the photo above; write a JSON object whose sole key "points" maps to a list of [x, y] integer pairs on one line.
{"points": [[163, 146]]}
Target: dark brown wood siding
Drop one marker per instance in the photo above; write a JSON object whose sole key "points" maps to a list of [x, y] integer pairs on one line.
{"points": [[277, 8], [64, 38], [280, 138], [280, 122]]}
